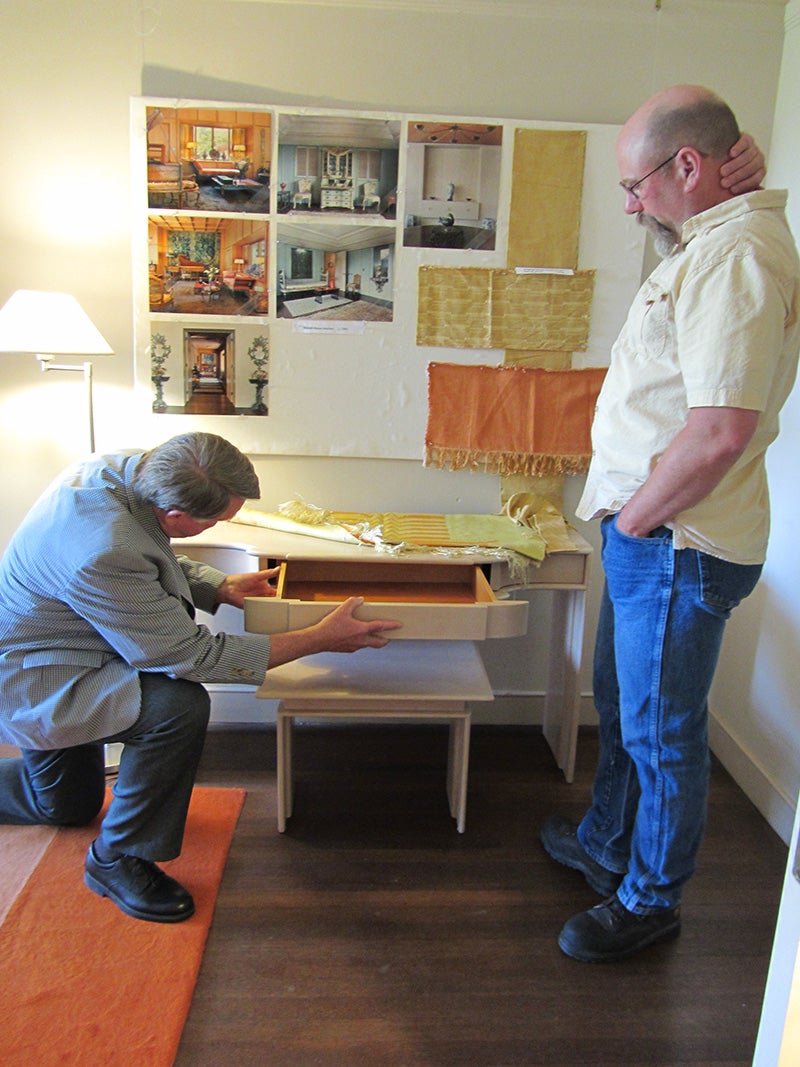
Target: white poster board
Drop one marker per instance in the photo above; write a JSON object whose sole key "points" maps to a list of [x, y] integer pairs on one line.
{"points": [[336, 387]]}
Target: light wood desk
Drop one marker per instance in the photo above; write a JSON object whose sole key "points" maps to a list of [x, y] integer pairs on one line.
{"points": [[235, 547]]}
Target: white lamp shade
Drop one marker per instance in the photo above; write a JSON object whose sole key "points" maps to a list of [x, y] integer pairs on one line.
{"points": [[49, 324]]}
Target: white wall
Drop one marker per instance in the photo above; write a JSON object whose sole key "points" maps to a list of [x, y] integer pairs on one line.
{"points": [[69, 71], [756, 695]]}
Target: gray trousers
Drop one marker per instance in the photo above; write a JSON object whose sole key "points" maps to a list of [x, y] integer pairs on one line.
{"points": [[158, 765]]}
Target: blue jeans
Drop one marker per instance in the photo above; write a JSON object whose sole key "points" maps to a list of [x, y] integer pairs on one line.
{"points": [[658, 639]]}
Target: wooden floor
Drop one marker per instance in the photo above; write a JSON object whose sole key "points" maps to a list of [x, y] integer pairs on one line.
{"points": [[209, 403], [372, 933]]}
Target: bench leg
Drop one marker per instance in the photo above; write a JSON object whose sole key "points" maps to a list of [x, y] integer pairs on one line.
{"points": [[284, 760], [458, 769], [457, 758]]}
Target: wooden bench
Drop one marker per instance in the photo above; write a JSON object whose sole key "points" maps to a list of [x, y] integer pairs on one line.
{"points": [[406, 680]]}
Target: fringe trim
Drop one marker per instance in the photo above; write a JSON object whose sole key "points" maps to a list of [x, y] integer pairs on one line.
{"points": [[504, 463]]}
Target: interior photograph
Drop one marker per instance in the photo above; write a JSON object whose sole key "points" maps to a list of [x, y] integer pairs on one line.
{"points": [[452, 184], [337, 165], [334, 272], [211, 159], [399, 627], [207, 265], [209, 370]]}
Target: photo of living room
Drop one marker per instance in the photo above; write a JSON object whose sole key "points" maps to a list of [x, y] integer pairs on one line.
{"points": [[337, 165], [208, 159], [207, 265], [335, 272]]}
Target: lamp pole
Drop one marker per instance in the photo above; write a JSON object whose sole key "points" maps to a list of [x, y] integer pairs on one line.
{"points": [[47, 364]]}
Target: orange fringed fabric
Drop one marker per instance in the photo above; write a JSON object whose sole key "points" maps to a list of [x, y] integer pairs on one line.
{"points": [[510, 420]]}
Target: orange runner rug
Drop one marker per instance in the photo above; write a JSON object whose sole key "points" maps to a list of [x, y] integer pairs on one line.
{"points": [[82, 983]]}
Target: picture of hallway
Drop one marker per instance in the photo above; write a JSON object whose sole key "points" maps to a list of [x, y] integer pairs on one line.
{"points": [[208, 376]]}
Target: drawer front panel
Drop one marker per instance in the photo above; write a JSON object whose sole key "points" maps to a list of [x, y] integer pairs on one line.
{"points": [[432, 601], [421, 622]]}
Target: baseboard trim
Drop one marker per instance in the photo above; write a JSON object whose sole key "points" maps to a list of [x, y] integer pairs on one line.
{"points": [[237, 705], [753, 779]]}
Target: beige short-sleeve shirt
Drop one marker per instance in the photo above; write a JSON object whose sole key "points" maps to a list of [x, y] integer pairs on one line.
{"points": [[715, 325]]}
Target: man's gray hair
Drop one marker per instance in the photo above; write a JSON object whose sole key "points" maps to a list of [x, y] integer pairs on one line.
{"points": [[197, 473], [709, 125]]}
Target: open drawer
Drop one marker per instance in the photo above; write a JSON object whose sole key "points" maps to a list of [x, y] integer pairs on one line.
{"points": [[434, 601]]}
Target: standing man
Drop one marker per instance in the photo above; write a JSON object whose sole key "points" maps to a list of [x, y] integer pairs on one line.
{"points": [[706, 359], [98, 644]]}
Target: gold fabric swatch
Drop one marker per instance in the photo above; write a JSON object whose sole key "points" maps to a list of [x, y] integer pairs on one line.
{"points": [[474, 307], [546, 187], [544, 230]]}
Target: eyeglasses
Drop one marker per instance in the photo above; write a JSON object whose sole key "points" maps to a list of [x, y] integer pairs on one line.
{"points": [[631, 189]]}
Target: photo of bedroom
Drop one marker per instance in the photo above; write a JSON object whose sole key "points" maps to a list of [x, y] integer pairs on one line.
{"points": [[335, 272], [207, 265], [208, 159]]}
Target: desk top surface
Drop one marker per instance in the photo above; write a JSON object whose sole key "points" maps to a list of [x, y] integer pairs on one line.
{"points": [[557, 569], [280, 544]]}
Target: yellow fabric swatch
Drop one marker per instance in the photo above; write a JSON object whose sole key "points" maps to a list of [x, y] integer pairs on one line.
{"points": [[413, 531], [474, 307], [445, 531], [546, 187]]}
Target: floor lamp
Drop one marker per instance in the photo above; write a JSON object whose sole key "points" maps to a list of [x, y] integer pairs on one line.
{"points": [[49, 325]]}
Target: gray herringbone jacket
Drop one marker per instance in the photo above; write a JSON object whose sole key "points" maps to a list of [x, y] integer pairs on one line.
{"points": [[91, 594]]}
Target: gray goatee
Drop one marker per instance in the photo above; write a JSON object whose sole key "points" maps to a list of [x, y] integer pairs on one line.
{"points": [[665, 239]]}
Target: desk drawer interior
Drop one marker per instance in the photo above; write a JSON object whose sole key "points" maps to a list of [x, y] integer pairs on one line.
{"points": [[388, 583]]}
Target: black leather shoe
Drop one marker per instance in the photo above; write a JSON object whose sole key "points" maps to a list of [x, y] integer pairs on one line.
{"points": [[560, 840], [139, 888], [610, 932]]}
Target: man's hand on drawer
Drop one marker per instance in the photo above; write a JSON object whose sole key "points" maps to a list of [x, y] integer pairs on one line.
{"points": [[339, 631], [253, 583]]}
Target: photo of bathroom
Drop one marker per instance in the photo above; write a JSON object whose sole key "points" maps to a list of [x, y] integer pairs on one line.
{"points": [[452, 185]]}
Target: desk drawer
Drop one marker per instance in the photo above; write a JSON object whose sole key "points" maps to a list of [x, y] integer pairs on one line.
{"points": [[433, 601]]}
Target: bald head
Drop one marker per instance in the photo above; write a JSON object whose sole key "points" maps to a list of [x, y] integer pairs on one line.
{"points": [[682, 115], [681, 136], [687, 115]]}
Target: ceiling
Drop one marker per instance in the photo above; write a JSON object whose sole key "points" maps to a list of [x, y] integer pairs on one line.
{"points": [[330, 238], [331, 131], [454, 133], [191, 223], [529, 8]]}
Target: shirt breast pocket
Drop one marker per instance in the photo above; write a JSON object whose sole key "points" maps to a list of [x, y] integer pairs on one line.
{"points": [[657, 321]]}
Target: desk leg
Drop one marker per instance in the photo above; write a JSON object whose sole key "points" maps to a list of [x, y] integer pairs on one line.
{"points": [[562, 701], [284, 760], [458, 768]]}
